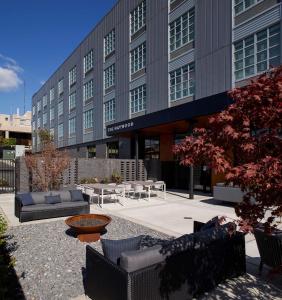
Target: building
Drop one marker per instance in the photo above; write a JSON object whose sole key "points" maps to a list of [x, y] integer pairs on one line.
{"points": [[150, 71], [15, 134]]}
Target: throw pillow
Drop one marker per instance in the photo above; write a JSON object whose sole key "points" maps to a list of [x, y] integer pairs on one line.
{"points": [[53, 199], [180, 244], [76, 195], [112, 249], [26, 199], [214, 222]]}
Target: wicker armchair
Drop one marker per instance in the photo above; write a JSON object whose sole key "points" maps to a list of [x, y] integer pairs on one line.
{"points": [[181, 276], [270, 249]]}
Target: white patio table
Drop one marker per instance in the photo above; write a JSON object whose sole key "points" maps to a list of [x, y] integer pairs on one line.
{"points": [[100, 188]]}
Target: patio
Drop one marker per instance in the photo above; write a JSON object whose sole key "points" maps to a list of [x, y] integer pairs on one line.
{"points": [[159, 217]]}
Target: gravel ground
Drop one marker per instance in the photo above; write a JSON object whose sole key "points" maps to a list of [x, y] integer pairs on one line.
{"points": [[50, 262]]}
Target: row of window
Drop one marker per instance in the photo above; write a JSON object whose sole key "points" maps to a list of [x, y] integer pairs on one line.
{"points": [[242, 5]]}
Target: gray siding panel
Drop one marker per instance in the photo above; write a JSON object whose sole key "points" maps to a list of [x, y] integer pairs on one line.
{"points": [[181, 61], [135, 43], [139, 81], [213, 41], [264, 20], [181, 9]]}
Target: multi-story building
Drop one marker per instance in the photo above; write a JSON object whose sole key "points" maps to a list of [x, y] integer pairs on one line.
{"points": [[150, 70]]}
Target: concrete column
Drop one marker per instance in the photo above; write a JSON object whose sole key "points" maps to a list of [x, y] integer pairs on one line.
{"points": [[136, 156], [6, 134]]}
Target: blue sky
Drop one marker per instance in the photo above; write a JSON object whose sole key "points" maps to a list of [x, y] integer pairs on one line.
{"points": [[35, 38]]}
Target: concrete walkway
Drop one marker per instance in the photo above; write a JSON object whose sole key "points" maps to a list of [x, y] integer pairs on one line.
{"points": [[173, 215]]}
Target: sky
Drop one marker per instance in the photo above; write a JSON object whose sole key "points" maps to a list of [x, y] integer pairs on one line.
{"points": [[36, 36]]}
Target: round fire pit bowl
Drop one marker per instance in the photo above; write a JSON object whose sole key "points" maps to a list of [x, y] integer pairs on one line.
{"points": [[89, 226]]}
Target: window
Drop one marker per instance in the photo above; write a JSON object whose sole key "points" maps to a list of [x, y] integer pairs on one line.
{"points": [[91, 150], [33, 126], [38, 122], [88, 62], [138, 58], [33, 141], [109, 79], [44, 100], [152, 148], [39, 106], [33, 110], [72, 76], [182, 30], [60, 131], [52, 132], [44, 119], [72, 101], [110, 110], [242, 5], [113, 150], [88, 90], [257, 53], [71, 127], [52, 95], [182, 82], [60, 87], [88, 119], [60, 108], [138, 17], [109, 42], [138, 99], [52, 114]]}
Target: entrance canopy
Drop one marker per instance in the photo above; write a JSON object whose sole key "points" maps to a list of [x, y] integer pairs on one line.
{"points": [[188, 111]]}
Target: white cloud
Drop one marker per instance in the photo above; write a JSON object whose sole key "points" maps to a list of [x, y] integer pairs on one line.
{"points": [[9, 74]]}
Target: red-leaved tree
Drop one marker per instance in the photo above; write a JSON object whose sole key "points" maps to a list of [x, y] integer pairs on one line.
{"points": [[244, 143]]}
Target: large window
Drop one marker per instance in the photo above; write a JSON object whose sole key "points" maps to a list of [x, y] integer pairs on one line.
{"points": [[44, 100], [72, 76], [38, 122], [109, 74], [60, 86], [52, 95], [110, 110], [38, 106], [182, 82], [60, 131], [88, 62], [60, 108], [138, 17], [257, 53], [109, 43], [33, 110], [242, 5], [88, 90], [182, 30], [88, 119], [138, 99], [72, 101], [138, 58], [44, 118], [152, 148], [91, 150], [52, 132], [113, 150], [72, 127], [52, 114], [33, 125]]}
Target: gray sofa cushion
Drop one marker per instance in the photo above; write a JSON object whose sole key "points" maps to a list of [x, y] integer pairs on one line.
{"points": [[26, 199], [76, 195], [65, 195], [112, 249], [136, 260], [39, 197], [62, 205], [53, 199]]}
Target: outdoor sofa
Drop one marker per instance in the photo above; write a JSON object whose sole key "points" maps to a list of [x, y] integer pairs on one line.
{"points": [[176, 270], [35, 205]]}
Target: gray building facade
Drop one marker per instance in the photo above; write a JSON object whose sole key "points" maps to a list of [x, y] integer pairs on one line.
{"points": [[133, 85]]}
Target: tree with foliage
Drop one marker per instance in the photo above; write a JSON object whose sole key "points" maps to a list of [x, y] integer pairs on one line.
{"points": [[47, 166], [244, 143]]}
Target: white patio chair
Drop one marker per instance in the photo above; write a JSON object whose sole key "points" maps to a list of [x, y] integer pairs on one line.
{"points": [[128, 189], [119, 191], [159, 186], [139, 189], [91, 194]]}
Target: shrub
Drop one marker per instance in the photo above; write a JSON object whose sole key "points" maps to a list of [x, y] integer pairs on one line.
{"points": [[116, 177], [4, 182], [89, 180]]}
